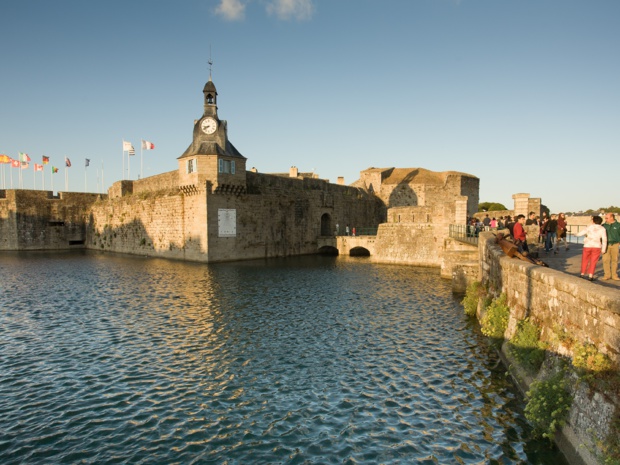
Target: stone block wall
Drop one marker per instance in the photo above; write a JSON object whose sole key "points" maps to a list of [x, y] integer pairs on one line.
{"points": [[164, 181], [164, 223], [36, 220], [411, 243]]}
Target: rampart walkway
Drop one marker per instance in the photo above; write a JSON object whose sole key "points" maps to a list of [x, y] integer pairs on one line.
{"points": [[569, 261]]}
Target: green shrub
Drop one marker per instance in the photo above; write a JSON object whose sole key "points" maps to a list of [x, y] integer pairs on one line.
{"points": [[472, 296], [587, 357], [526, 346], [495, 320], [548, 404]]}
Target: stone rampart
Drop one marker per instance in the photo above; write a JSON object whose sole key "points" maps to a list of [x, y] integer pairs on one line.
{"points": [[557, 301], [571, 313]]}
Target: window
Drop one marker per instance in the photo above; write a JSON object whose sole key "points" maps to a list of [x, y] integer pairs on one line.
{"points": [[191, 166], [227, 166]]}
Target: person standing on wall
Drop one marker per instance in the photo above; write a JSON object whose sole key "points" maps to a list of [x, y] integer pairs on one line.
{"points": [[531, 220], [610, 257], [594, 244], [561, 232], [518, 235], [486, 222], [550, 229]]}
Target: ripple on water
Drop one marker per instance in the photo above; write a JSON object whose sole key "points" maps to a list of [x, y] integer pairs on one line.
{"points": [[307, 360]]}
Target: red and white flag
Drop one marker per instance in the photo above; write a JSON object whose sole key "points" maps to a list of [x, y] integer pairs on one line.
{"points": [[38, 167], [146, 145], [15, 164]]}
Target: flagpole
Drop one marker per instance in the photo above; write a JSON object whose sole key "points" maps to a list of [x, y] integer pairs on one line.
{"points": [[123, 159], [141, 162]]}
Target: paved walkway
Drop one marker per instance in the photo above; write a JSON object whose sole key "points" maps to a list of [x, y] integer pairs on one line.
{"points": [[569, 261]]}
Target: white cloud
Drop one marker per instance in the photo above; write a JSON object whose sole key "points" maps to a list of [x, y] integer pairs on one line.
{"points": [[232, 10], [288, 9]]}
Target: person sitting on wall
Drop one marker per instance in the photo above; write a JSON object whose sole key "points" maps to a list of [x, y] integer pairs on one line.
{"points": [[510, 225], [519, 236]]}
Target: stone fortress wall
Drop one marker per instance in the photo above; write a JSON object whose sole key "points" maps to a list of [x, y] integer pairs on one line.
{"points": [[275, 215]]}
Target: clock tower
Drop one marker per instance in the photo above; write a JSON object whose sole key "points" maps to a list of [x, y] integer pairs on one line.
{"points": [[211, 159]]}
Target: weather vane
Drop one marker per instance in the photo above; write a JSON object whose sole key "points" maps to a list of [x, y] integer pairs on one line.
{"points": [[210, 62]]}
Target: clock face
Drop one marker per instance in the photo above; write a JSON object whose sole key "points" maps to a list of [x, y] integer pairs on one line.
{"points": [[208, 125]]}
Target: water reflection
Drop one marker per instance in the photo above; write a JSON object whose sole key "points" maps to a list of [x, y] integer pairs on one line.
{"points": [[305, 360]]}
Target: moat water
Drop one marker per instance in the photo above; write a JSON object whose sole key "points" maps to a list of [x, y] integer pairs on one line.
{"points": [[108, 359]]}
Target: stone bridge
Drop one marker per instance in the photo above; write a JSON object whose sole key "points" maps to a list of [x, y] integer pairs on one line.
{"points": [[357, 246]]}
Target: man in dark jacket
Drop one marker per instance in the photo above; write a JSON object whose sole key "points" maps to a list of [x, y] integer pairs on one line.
{"points": [[550, 228]]}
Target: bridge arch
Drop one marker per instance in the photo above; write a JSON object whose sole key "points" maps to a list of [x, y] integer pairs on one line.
{"points": [[328, 250], [359, 252]]}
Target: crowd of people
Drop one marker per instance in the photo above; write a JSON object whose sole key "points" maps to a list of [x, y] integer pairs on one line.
{"points": [[601, 238]]}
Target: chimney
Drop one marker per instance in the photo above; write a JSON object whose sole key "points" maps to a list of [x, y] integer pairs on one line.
{"points": [[293, 172], [340, 181]]}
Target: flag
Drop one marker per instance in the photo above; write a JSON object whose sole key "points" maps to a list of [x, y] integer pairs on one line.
{"points": [[15, 164], [127, 146], [146, 145], [67, 162], [87, 161], [38, 167], [25, 165], [5, 159], [46, 160], [24, 156], [54, 169], [132, 151]]}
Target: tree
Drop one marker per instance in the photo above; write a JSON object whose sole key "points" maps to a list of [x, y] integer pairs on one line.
{"points": [[490, 207]]}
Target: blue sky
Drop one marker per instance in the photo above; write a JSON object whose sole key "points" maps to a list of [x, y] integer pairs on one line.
{"points": [[523, 94]]}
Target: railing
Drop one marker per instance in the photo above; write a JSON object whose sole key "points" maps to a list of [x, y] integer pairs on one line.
{"points": [[469, 233], [464, 233], [573, 229], [363, 231]]}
